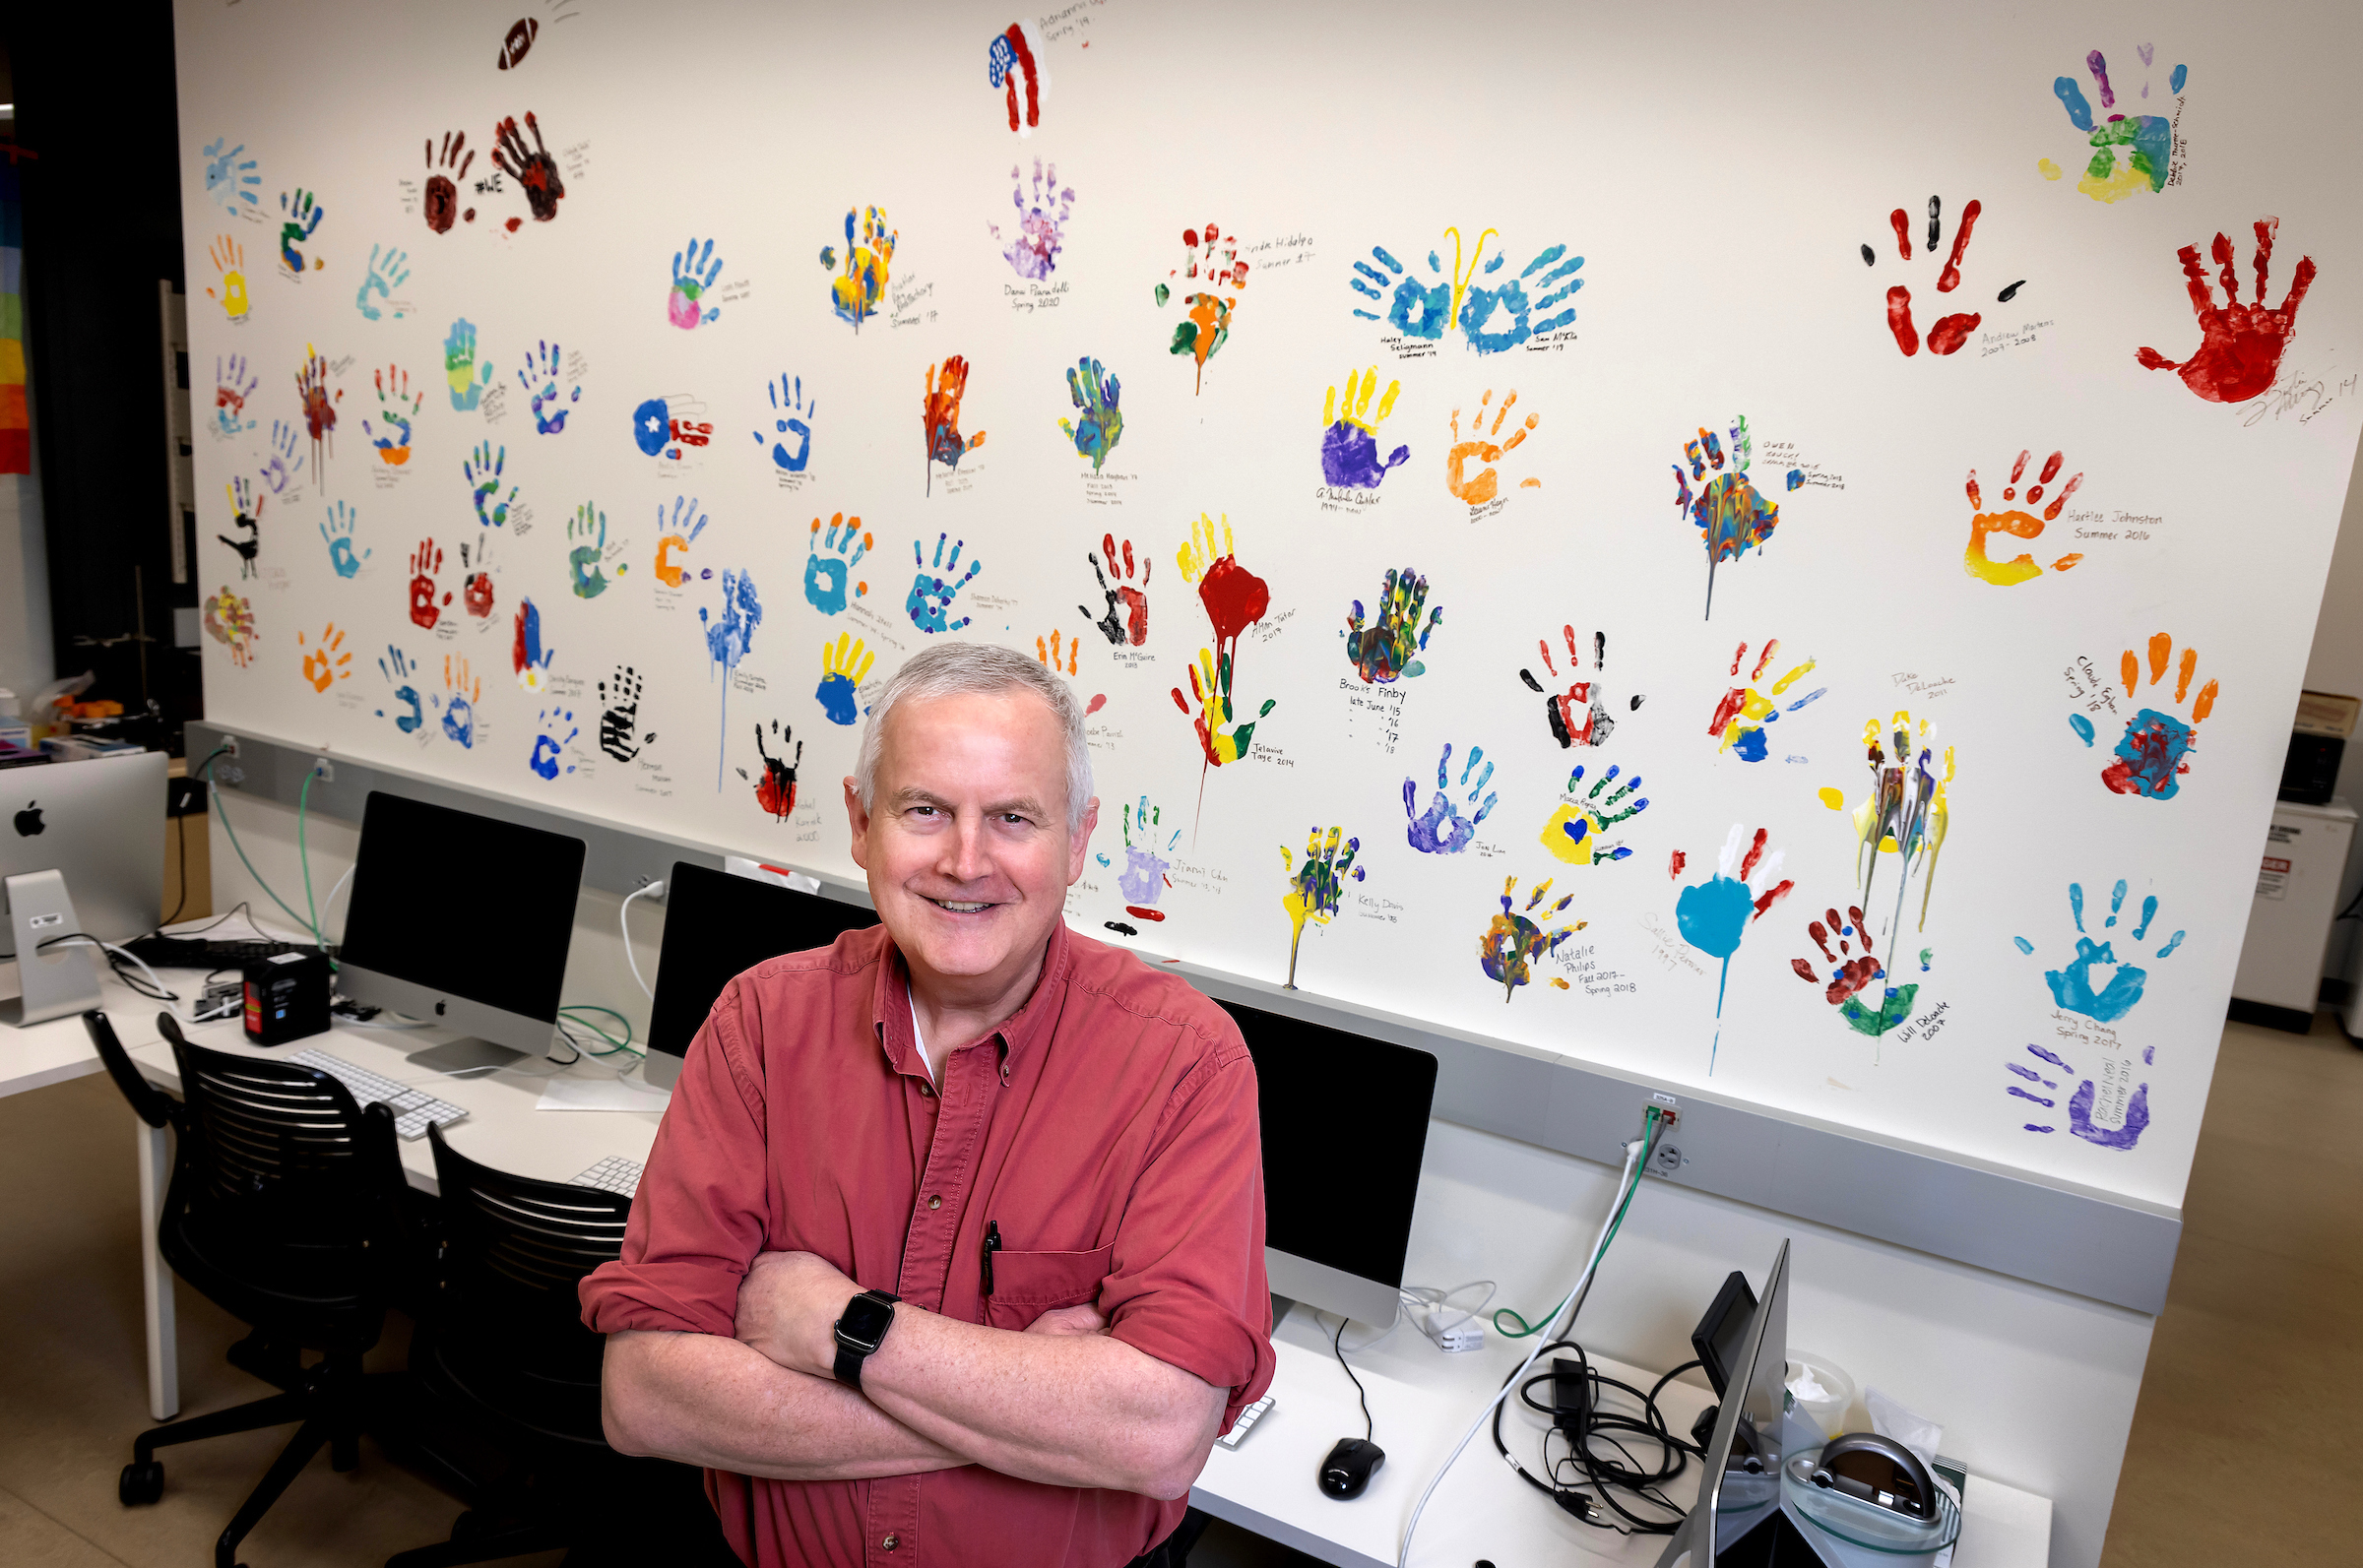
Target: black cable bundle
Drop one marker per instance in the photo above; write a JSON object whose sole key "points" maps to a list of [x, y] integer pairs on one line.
{"points": [[1595, 1472]]}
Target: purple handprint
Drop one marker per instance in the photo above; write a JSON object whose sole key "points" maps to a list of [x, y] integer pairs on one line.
{"points": [[1034, 254]]}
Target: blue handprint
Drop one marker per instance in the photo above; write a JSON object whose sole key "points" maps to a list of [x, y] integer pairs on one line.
{"points": [[548, 749], [1442, 829], [549, 414], [2038, 1087], [398, 673], [931, 597], [461, 373], [232, 386], [526, 653], [689, 285], [825, 574], [383, 277], [287, 456], [299, 216], [2072, 986], [338, 531], [790, 416], [730, 635], [483, 473], [227, 181], [1457, 300], [1102, 424]]}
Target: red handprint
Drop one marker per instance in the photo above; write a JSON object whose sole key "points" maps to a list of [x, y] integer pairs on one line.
{"points": [[319, 403], [2240, 346], [1128, 617], [1951, 332], [425, 609], [537, 170], [475, 584], [941, 415]]}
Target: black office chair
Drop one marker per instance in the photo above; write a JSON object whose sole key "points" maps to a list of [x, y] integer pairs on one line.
{"points": [[284, 1211], [502, 1354]]}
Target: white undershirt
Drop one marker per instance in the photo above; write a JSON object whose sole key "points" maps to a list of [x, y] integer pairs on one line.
{"points": [[918, 1038]]}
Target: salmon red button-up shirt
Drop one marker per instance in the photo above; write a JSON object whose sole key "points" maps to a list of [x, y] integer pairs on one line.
{"points": [[1107, 1130]]}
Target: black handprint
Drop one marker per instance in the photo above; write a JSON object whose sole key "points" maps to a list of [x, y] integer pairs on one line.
{"points": [[618, 726], [776, 791], [1128, 617], [537, 170], [245, 511]]}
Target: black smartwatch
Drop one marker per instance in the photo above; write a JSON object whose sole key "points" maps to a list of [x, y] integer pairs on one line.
{"points": [[861, 1329]]}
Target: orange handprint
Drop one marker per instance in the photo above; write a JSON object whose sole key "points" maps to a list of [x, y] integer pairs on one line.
{"points": [[941, 416], [2017, 523], [1483, 486], [324, 666]]}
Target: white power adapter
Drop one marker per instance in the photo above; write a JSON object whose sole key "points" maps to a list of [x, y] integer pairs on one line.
{"points": [[1449, 1326]]}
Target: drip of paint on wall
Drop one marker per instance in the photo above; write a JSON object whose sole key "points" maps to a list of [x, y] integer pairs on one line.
{"points": [[1713, 915], [1388, 649], [728, 633], [1234, 600], [1317, 888], [1906, 812]]}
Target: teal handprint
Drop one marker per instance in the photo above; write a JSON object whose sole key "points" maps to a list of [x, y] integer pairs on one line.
{"points": [[691, 282], [338, 531], [2072, 984], [461, 372], [387, 272], [591, 552], [483, 473], [1101, 424], [825, 574], [792, 415], [1389, 648], [399, 673], [299, 216], [931, 597], [1442, 829]]}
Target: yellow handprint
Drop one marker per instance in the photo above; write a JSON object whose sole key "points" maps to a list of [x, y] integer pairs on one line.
{"points": [[1350, 441], [856, 296], [1906, 812], [844, 666]]}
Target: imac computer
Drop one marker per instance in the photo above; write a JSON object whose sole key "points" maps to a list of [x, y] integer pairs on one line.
{"points": [[82, 850], [718, 926], [1345, 1124], [461, 920]]}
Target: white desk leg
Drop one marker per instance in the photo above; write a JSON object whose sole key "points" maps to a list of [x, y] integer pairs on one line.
{"points": [[155, 1276]]}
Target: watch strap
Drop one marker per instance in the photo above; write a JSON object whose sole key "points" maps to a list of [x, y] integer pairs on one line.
{"points": [[848, 1368]]}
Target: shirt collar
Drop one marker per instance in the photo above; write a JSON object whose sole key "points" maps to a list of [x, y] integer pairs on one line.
{"points": [[890, 1008]]}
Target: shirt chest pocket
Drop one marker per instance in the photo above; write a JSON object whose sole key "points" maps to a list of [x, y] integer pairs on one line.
{"points": [[1026, 1284]]}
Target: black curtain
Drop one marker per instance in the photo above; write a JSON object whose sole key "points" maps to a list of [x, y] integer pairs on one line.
{"points": [[97, 104]]}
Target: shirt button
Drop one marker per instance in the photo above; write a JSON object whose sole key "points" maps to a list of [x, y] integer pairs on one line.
{"points": [[935, 1202], [926, 1092], [890, 1542]]}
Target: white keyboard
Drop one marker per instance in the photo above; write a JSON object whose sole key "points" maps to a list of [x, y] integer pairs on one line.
{"points": [[614, 1175], [1246, 1419], [415, 1110]]}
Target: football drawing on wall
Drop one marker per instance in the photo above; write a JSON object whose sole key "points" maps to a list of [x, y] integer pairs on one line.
{"points": [[1399, 462]]}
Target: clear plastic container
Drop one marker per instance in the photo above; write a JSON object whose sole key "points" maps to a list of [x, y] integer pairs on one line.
{"points": [[1821, 1389]]}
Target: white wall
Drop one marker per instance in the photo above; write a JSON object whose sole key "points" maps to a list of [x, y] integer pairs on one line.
{"points": [[26, 659]]}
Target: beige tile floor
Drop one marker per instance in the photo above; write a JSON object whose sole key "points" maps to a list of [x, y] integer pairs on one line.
{"points": [[2255, 1360]]}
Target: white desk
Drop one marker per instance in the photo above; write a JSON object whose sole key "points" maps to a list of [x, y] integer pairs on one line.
{"points": [[1422, 1400], [502, 1128]]}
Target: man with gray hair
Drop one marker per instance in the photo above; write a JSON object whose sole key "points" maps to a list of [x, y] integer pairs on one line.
{"points": [[950, 1248]]}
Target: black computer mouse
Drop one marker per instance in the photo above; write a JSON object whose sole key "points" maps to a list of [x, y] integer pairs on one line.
{"points": [[1350, 1467]]}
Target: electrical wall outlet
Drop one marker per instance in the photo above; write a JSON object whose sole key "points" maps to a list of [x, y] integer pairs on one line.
{"points": [[229, 745], [324, 769]]}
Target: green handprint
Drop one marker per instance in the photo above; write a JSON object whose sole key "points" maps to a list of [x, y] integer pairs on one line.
{"points": [[1390, 648], [298, 219], [1101, 424], [1317, 888], [460, 369], [585, 561], [483, 473]]}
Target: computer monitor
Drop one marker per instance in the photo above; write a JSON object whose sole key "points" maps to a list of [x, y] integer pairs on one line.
{"points": [[717, 927], [101, 824], [1737, 1521], [463, 920], [1345, 1124]]}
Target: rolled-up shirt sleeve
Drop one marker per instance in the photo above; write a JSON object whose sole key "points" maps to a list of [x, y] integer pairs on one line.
{"points": [[700, 1215], [1188, 1284]]}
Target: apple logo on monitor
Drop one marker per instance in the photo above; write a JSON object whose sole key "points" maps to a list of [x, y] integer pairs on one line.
{"points": [[29, 820]]}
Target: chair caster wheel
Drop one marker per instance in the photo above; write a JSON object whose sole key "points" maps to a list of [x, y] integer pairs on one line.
{"points": [[141, 1484]]}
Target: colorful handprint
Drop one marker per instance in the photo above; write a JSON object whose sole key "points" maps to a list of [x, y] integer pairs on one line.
{"points": [[2154, 750], [543, 366], [1713, 915], [1578, 716], [1209, 266], [1126, 619], [694, 272], [319, 408], [298, 216], [537, 170], [229, 261], [1234, 600], [1034, 253], [1906, 814], [441, 208], [1388, 649], [844, 666], [1099, 423], [1849, 979], [234, 384], [1728, 510], [396, 409], [483, 471], [1442, 829], [591, 554], [2017, 522], [929, 602], [338, 534], [857, 295], [2072, 983], [325, 662], [1494, 319], [526, 656], [1741, 717], [1478, 488], [229, 621], [2240, 345], [466, 378], [387, 273], [2130, 152], [792, 415], [1514, 938], [1317, 888], [425, 607], [775, 793], [677, 533], [829, 564], [1950, 332], [460, 693], [941, 416], [1576, 828], [1350, 433], [1143, 880]]}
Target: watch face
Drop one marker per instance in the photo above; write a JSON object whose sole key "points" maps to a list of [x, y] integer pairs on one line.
{"points": [[863, 1324]]}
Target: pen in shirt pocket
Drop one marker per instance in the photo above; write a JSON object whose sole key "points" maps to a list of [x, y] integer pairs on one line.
{"points": [[993, 1244]]}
